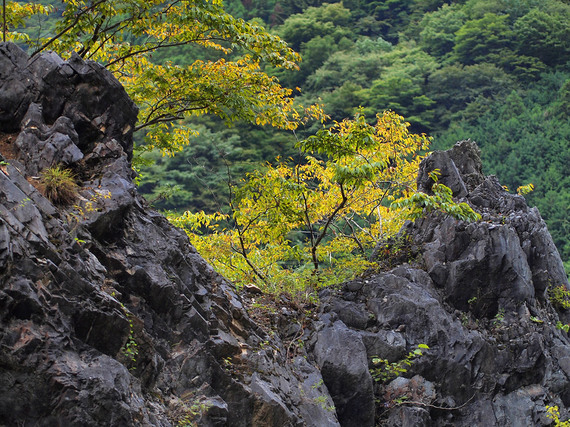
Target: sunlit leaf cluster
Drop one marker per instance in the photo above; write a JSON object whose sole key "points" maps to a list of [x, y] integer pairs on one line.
{"points": [[231, 90], [420, 204], [318, 220], [15, 16]]}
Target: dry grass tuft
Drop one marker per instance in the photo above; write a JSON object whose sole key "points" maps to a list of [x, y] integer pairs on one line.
{"points": [[59, 184]]}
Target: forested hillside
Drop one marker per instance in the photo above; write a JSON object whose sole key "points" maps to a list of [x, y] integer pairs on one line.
{"points": [[495, 71]]}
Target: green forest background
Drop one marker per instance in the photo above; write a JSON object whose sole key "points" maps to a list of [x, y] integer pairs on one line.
{"points": [[495, 71]]}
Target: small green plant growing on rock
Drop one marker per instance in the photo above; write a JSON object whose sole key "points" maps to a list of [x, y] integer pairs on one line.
{"points": [[420, 204], [499, 317], [84, 207], [322, 402], [130, 349], [384, 371], [559, 297], [193, 413], [188, 411], [322, 399], [554, 414], [60, 186], [562, 327]]}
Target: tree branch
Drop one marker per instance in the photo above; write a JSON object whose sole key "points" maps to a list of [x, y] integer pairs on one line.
{"points": [[354, 236], [443, 408], [168, 117], [69, 27], [326, 226], [4, 20], [160, 45]]}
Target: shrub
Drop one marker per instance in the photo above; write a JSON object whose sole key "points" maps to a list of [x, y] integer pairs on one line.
{"points": [[559, 297], [554, 415], [384, 371]]}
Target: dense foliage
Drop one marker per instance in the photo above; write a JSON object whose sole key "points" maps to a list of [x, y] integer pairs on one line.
{"points": [[496, 71], [305, 223], [123, 35]]}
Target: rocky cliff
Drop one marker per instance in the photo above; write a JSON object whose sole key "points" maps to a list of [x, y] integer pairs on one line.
{"points": [[109, 317], [476, 294]]}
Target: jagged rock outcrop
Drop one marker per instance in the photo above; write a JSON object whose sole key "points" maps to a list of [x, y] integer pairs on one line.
{"points": [[81, 285], [475, 293], [108, 316]]}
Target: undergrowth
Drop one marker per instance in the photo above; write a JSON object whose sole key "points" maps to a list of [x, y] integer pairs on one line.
{"points": [[384, 371]]}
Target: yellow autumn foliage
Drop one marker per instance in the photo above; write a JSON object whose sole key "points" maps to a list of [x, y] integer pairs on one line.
{"points": [[303, 225]]}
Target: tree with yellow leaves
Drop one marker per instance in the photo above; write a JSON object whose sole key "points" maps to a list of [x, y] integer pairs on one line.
{"points": [[124, 34], [316, 221]]}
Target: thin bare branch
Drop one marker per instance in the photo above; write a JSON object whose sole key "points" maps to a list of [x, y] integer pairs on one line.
{"points": [[69, 27], [331, 217]]}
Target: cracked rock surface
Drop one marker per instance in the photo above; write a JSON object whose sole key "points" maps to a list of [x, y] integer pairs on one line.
{"points": [[476, 294], [80, 284], [109, 317]]}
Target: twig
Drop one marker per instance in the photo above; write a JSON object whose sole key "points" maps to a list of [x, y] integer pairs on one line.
{"points": [[4, 19], [295, 338], [69, 27], [326, 226], [427, 405]]}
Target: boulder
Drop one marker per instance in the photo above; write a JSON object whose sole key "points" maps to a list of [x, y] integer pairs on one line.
{"points": [[341, 357], [18, 87]]}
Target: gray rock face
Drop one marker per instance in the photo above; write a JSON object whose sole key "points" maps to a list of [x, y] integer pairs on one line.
{"points": [[18, 86], [41, 146], [81, 286], [345, 373], [91, 98], [476, 296], [482, 260], [511, 246]]}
